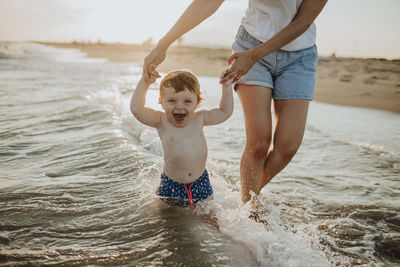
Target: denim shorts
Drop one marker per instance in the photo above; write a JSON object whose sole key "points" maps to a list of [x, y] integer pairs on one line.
{"points": [[290, 74]]}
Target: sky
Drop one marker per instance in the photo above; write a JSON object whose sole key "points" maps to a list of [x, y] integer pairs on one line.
{"points": [[355, 28]]}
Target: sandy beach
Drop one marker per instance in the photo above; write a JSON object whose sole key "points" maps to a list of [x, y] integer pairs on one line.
{"points": [[369, 83]]}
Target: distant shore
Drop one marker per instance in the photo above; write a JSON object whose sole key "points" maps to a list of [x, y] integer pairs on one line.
{"points": [[369, 83]]}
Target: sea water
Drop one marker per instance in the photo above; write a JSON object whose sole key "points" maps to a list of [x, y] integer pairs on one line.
{"points": [[78, 175]]}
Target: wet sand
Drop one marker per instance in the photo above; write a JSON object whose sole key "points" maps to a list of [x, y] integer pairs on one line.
{"points": [[359, 82]]}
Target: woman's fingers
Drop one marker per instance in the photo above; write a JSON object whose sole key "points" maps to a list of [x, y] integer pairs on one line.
{"points": [[150, 68], [228, 76], [232, 73], [224, 73], [156, 74], [147, 71], [232, 58], [235, 72], [236, 78], [154, 58]]}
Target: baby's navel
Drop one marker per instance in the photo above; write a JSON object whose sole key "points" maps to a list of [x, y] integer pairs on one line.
{"points": [[190, 174]]}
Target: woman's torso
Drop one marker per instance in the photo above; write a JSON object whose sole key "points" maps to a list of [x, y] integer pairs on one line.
{"points": [[264, 18]]}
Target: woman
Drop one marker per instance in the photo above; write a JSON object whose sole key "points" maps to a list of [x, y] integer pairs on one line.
{"points": [[275, 59]]}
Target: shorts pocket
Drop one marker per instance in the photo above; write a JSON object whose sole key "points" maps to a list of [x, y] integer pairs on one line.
{"points": [[240, 45], [308, 59]]}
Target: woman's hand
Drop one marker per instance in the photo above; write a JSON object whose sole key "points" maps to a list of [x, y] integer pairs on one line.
{"points": [[242, 63], [154, 74], [227, 82], [152, 60]]}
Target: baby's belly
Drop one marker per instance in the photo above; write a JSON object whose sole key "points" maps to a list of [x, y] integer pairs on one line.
{"points": [[185, 168]]}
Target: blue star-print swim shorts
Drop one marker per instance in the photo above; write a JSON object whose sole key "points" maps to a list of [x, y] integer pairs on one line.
{"points": [[180, 194]]}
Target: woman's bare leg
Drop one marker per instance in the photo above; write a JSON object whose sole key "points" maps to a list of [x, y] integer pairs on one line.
{"points": [[291, 116], [256, 106]]}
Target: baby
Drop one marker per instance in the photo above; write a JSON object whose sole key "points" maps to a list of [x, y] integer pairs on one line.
{"points": [[184, 179]]}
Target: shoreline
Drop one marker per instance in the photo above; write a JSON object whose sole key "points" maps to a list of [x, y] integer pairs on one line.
{"points": [[358, 82]]}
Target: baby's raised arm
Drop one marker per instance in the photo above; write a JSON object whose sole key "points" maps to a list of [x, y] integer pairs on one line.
{"points": [[144, 114], [225, 110]]}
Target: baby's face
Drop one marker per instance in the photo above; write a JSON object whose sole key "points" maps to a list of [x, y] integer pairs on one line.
{"points": [[179, 107]]}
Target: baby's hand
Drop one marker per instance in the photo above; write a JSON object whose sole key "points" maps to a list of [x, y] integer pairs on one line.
{"points": [[153, 75], [229, 82]]}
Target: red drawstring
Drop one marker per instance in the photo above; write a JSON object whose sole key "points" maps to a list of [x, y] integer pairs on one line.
{"points": [[189, 193]]}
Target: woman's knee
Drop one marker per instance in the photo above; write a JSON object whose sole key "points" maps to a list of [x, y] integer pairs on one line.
{"points": [[286, 150], [258, 149]]}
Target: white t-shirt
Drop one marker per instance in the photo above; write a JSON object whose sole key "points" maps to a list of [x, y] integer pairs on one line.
{"points": [[264, 18]]}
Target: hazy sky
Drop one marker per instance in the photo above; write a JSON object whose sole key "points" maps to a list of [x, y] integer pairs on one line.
{"points": [[366, 28]]}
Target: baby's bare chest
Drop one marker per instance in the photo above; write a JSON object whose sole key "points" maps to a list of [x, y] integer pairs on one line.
{"points": [[181, 138], [184, 143]]}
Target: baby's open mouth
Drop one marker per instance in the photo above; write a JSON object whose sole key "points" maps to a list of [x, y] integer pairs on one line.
{"points": [[179, 116]]}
